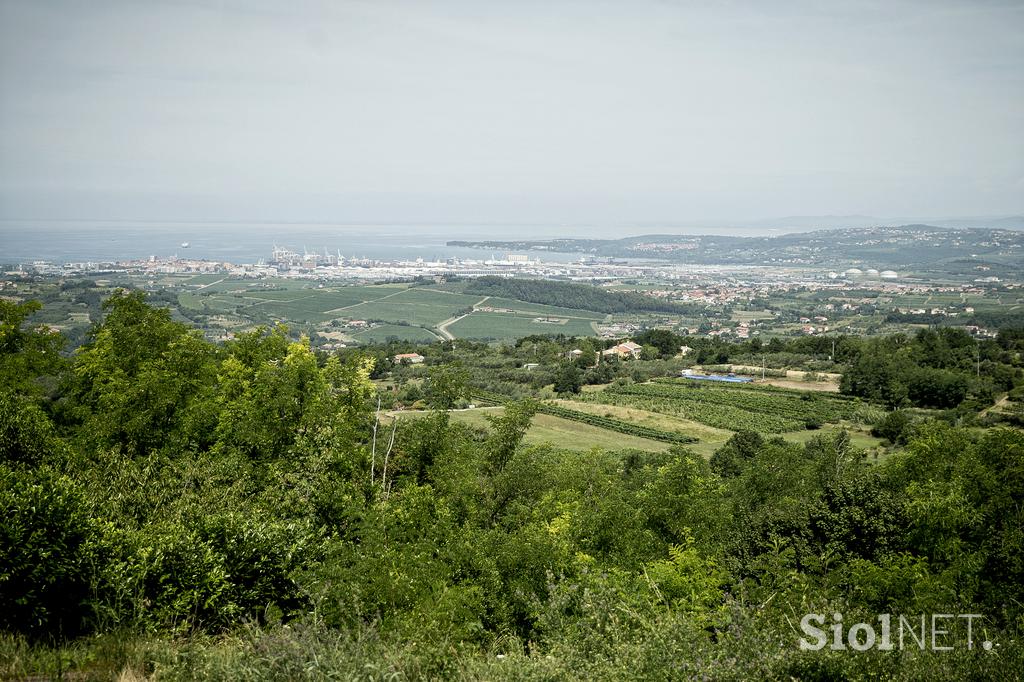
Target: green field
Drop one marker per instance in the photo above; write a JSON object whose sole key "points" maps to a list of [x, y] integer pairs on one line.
{"points": [[381, 333], [301, 302], [280, 299], [286, 299], [560, 433], [732, 406], [314, 305], [571, 435], [536, 309], [413, 313], [433, 297], [204, 279], [217, 285], [709, 438], [507, 326], [418, 308], [220, 304], [327, 299], [190, 301], [859, 436]]}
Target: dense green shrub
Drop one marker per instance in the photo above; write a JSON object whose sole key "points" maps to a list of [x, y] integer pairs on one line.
{"points": [[26, 435], [241, 512], [892, 427], [46, 547]]}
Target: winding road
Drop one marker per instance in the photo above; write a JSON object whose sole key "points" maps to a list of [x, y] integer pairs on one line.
{"points": [[442, 327]]}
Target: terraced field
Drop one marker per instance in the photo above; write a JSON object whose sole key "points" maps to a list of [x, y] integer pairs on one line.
{"points": [[732, 408], [546, 429], [656, 420]]}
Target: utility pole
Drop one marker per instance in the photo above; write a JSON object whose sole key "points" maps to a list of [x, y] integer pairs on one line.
{"points": [[762, 366]]}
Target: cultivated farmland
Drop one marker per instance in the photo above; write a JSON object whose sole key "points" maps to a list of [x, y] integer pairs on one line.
{"points": [[411, 313], [483, 325], [733, 407]]}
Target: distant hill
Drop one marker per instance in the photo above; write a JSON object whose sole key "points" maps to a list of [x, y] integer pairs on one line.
{"points": [[1013, 222], [803, 223], [916, 247]]}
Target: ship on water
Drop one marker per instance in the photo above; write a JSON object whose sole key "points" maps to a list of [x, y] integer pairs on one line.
{"points": [[184, 245]]}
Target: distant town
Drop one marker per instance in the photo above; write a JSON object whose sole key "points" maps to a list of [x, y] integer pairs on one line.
{"points": [[340, 300]]}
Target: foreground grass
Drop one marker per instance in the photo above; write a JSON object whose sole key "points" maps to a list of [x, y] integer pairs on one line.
{"points": [[670, 649], [561, 433], [570, 435], [709, 437], [860, 437]]}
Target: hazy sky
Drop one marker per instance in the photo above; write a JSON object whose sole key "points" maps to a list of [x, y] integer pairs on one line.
{"points": [[510, 111]]}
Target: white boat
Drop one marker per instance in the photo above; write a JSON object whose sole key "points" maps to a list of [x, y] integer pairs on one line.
{"points": [[184, 245]]}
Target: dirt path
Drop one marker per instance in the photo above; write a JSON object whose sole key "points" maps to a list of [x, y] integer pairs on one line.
{"points": [[211, 284], [442, 327], [823, 386], [794, 378], [346, 307], [394, 414], [998, 406], [439, 337]]}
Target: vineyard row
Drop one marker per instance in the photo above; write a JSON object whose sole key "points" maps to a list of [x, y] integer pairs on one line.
{"points": [[617, 425]]}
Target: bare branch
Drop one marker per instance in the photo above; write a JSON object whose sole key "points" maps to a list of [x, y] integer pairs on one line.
{"points": [[373, 448], [384, 484]]}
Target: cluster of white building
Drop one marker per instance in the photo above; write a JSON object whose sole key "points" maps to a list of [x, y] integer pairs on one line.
{"points": [[870, 273]]}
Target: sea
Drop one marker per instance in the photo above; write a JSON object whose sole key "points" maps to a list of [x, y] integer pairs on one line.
{"points": [[76, 241], [92, 241]]}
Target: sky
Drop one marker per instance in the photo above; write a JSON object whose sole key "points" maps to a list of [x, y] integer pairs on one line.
{"points": [[495, 112]]}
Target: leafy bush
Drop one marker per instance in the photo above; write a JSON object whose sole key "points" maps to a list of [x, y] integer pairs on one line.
{"points": [[26, 435], [46, 538], [230, 506], [892, 427]]}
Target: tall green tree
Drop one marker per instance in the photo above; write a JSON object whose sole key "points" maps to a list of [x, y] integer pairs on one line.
{"points": [[28, 353], [507, 431], [132, 383], [568, 379]]}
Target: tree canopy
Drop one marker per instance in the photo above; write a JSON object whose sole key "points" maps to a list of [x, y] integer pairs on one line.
{"points": [[248, 502]]}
